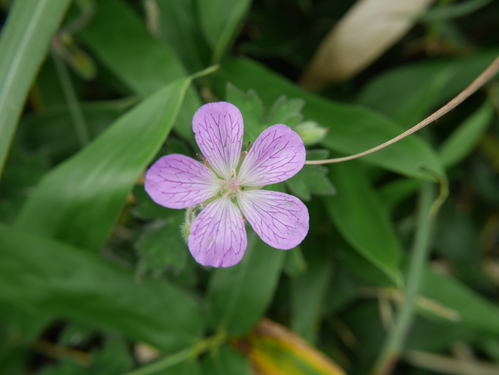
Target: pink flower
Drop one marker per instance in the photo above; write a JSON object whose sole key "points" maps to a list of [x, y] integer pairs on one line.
{"points": [[229, 186]]}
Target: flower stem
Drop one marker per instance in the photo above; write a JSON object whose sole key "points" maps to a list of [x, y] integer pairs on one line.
{"points": [[189, 353], [396, 339], [72, 100], [483, 78]]}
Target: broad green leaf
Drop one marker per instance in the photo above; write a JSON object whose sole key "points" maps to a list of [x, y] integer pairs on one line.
{"points": [[351, 129], [466, 137], [180, 29], [395, 192], [142, 62], [24, 43], [239, 295], [308, 293], [219, 21], [473, 310], [362, 220], [388, 92], [226, 361], [22, 171], [51, 277], [89, 190], [312, 179]]}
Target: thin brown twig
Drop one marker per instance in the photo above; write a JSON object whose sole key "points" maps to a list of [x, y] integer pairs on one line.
{"points": [[58, 351], [461, 97]]}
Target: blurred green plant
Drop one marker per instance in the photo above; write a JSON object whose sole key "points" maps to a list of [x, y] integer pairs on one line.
{"points": [[95, 278]]}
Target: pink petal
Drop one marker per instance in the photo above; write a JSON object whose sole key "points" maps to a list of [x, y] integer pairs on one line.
{"points": [[178, 181], [218, 237], [281, 220], [277, 154], [219, 134]]}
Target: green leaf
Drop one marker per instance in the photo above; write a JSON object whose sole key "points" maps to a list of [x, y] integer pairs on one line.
{"points": [[286, 111], [362, 220], [448, 12], [395, 192], [142, 62], [312, 179], [49, 130], [219, 21], [112, 359], [226, 361], [24, 43], [239, 295], [179, 28], [294, 263], [89, 190], [22, 171], [351, 129], [308, 294], [466, 137], [251, 108], [161, 246], [473, 310], [184, 368], [442, 79], [40, 273]]}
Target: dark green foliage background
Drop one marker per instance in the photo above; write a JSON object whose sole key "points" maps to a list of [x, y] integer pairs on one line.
{"points": [[88, 261]]}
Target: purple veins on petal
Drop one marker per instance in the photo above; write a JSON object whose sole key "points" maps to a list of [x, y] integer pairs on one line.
{"points": [[178, 181], [277, 154], [219, 133], [281, 220], [218, 237]]}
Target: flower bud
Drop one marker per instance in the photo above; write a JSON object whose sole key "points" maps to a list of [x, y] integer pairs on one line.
{"points": [[310, 132]]}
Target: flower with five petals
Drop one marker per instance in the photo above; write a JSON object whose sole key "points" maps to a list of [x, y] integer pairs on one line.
{"points": [[228, 186]]}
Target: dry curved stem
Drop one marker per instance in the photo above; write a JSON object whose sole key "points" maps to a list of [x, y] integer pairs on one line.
{"points": [[461, 97]]}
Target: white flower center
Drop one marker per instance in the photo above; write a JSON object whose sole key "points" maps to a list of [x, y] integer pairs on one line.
{"points": [[232, 187]]}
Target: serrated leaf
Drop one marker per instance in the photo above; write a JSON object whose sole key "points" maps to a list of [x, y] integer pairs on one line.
{"points": [[351, 129], [312, 179], [251, 108], [286, 111], [161, 246]]}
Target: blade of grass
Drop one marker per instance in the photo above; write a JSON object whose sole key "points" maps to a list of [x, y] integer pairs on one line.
{"points": [[394, 343], [25, 40], [72, 100]]}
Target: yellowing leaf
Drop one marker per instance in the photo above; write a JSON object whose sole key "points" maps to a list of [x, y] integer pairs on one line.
{"points": [[276, 350]]}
